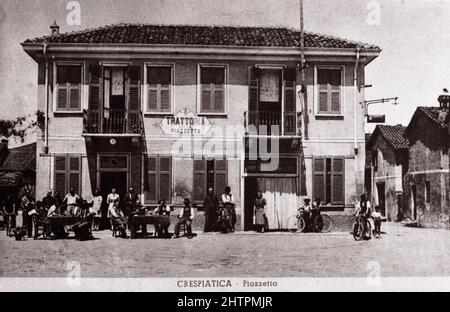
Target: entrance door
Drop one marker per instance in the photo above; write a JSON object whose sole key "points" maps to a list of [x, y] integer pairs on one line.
{"points": [[381, 198], [250, 188], [114, 102], [109, 180]]}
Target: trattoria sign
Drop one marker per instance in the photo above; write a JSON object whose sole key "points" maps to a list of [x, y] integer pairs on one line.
{"points": [[185, 123]]}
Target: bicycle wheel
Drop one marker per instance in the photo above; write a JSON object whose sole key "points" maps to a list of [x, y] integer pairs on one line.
{"points": [[368, 233], [357, 231], [323, 223], [295, 224]]}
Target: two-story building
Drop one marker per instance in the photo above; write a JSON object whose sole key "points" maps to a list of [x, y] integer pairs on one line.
{"points": [[173, 110]]}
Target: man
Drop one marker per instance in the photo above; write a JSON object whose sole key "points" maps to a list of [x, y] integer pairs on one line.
{"points": [[118, 217], [186, 216], [9, 210], [48, 201], [71, 200], [228, 203], [27, 203], [362, 211], [132, 205], [307, 212], [211, 207], [162, 227]]}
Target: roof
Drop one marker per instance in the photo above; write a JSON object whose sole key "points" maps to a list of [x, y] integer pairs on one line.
{"points": [[439, 117], [200, 35], [3, 151], [21, 158], [392, 134]]}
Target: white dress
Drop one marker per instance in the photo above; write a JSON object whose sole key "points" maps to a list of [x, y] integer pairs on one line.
{"points": [[96, 205], [110, 200]]}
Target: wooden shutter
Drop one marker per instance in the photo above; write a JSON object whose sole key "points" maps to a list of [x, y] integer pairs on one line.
{"points": [[60, 175], [61, 94], [134, 88], [289, 101], [323, 98], [319, 178], [218, 98], [199, 185], [165, 178], [95, 82], [206, 91], [253, 96], [337, 181], [74, 173], [335, 99], [220, 176], [75, 97], [151, 185]]}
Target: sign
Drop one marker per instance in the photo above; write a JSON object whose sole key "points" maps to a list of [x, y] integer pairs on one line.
{"points": [[185, 123]]}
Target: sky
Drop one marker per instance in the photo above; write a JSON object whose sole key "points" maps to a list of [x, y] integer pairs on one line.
{"points": [[413, 34]]}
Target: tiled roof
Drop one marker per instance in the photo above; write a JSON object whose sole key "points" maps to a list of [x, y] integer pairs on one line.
{"points": [[21, 158], [393, 135], [10, 178], [200, 35], [440, 117]]}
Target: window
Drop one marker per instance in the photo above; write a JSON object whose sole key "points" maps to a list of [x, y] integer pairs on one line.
{"points": [[212, 89], [329, 82], [209, 173], [68, 87], [427, 192], [158, 184], [67, 174], [375, 160], [159, 92], [329, 180]]}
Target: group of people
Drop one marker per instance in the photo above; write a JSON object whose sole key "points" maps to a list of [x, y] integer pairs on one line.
{"points": [[363, 212]]}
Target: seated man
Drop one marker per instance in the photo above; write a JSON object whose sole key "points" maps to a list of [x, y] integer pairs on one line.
{"points": [[118, 218], [162, 210], [306, 212], [363, 211], [186, 216], [82, 229]]}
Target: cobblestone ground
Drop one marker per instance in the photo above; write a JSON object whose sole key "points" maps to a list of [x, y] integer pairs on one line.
{"points": [[401, 251]]}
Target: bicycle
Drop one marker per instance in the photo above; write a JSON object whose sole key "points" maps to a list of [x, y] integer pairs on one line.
{"points": [[8, 223], [358, 230], [322, 223]]}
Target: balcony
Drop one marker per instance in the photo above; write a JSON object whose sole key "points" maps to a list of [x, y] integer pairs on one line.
{"points": [[287, 123], [107, 121]]}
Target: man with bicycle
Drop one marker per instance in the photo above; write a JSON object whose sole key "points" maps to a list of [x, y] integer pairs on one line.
{"points": [[362, 211], [9, 212]]}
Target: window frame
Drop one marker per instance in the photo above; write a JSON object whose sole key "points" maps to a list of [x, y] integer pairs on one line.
{"points": [[157, 172], [67, 171], [332, 173], [225, 67], [145, 89], [341, 90], [83, 94]]}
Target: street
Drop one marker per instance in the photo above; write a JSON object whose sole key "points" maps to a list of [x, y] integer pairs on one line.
{"points": [[400, 252]]}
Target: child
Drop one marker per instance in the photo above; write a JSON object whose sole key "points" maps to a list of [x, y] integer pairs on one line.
{"points": [[376, 215]]}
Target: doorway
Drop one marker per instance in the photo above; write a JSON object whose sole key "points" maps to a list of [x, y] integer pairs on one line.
{"points": [[250, 189], [382, 198], [414, 202], [114, 106]]}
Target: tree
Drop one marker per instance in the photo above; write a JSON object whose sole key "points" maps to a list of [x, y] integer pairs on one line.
{"points": [[17, 128]]}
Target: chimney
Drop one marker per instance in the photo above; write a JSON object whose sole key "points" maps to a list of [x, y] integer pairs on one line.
{"points": [[54, 28]]}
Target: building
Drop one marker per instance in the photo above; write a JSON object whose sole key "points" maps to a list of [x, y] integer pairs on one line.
{"points": [[173, 110], [388, 150], [18, 170], [427, 181]]}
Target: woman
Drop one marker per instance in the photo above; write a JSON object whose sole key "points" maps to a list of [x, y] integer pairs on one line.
{"points": [[259, 213], [96, 209], [111, 199]]}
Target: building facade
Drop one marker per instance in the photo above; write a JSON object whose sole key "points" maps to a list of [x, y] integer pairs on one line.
{"points": [[389, 163], [174, 110], [427, 181]]}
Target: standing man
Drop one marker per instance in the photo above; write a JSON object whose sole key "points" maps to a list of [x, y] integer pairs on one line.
{"points": [[71, 200], [48, 201], [210, 206], [27, 202], [132, 205], [9, 211], [186, 216], [228, 203]]}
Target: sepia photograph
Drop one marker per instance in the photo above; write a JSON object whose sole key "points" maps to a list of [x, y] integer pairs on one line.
{"points": [[224, 146]]}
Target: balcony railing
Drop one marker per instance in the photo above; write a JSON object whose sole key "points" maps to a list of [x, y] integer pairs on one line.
{"points": [[286, 122], [113, 121]]}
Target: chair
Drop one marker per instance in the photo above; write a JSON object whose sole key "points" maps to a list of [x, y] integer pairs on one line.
{"points": [[115, 227], [41, 227]]}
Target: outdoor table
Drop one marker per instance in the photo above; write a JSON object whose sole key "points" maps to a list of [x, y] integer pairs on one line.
{"points": [[135, 221]]}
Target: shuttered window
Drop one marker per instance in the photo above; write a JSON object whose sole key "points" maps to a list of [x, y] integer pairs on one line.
{"points": [[67, 174], [134, 88], [212, 89], [200, 178], [68, 87], [158, 184], [329, 180], [329, 83], [159, 84]]}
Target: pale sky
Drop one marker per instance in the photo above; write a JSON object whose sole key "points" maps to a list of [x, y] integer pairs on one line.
{"points": [[414, 64]]}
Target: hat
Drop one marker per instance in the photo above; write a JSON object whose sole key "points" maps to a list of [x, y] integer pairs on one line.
{"points": [[307, 199], [187, 200]]}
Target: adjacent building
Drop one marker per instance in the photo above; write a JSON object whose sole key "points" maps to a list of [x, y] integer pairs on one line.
{"points": [[174, 110], [388, 150]]}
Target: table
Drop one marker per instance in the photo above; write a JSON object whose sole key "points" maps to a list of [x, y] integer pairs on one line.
{"points": [[157, 220]]}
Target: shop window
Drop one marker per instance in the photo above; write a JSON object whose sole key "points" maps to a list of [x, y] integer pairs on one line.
{"points": [[67, 174], [159, 81], [212, 89], [329, 82], [68, 87], [158, 182], [329, 180]]}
